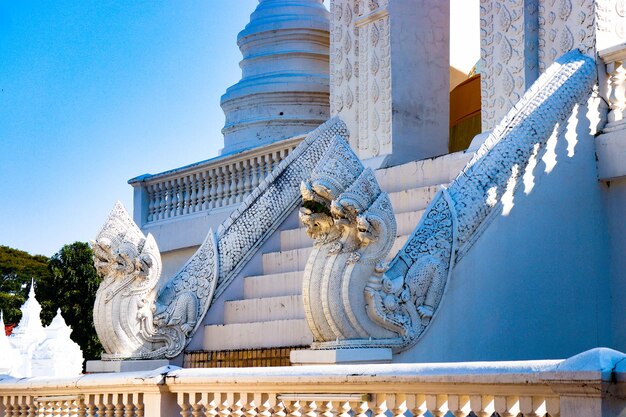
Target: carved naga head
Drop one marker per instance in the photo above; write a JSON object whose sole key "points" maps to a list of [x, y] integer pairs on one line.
{"points": [[337, 169]]}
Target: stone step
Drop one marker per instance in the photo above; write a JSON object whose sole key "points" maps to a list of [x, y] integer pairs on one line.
{"points": [[274, 285], [255, 310], [413, 199], [427, 172], [297, 238], [286, 261], [268, 334]]}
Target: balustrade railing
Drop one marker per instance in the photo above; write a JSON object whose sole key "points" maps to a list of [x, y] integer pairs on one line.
{"points": [[613, 84], [208, 185], [591, 384]]}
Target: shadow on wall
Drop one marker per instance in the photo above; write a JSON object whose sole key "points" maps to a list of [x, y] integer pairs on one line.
{"points": [[535, 283]]}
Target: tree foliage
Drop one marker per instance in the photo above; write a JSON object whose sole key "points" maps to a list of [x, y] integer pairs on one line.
{"points": [[67, 281], [17, 268], [72, 286]]}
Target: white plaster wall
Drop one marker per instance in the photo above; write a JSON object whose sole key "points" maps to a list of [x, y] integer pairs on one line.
{"points": [[616, 203], [536, 283]]}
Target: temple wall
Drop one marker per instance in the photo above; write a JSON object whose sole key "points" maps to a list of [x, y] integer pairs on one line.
{"points": [[615, 193], [536, 282], [390, 77]]}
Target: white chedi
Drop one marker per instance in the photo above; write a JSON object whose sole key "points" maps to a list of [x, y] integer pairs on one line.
{"points": [[34, 350], [10, 357], [28, 334], [58, 355]]}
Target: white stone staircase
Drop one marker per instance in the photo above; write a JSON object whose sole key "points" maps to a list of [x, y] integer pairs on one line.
{"points": [[271, 313]]}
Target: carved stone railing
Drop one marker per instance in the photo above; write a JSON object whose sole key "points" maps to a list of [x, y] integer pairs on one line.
{"points": [[613, 85], [590, 384], [208, 185]]}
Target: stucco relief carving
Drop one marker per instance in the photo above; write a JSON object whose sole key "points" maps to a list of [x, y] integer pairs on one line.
{"points": [[509, 54], [344, 65], [346, 277], [563, 26], [134, 318], [374, 84]]}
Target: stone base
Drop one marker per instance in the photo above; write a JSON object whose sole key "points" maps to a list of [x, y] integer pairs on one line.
{"points": [[340, 356], [125, 366]]}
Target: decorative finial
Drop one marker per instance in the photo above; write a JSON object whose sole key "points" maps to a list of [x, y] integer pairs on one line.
{"points": [[31, 293]]}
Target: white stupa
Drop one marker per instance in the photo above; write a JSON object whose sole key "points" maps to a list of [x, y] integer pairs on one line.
{"points": [[29, 332], [37, 351], [284, 89], [9, 356], [58, 355]]}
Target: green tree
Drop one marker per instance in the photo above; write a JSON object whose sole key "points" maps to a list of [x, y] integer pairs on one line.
{"points": [[72, 286], [17, 268]]}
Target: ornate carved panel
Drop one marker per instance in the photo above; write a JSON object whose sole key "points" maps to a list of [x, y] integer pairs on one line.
{"points": [[508, 53], [565, 25]]}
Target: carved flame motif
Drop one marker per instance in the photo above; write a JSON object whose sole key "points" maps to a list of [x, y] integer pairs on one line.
{"points": [[132, 319]]}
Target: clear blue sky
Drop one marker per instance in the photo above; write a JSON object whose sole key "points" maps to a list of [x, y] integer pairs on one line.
{"points": [[95, 92]]}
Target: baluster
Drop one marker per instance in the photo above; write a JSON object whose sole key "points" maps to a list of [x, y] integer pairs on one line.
{"points": [[437, 405], [11, 407], [100, 405], [139, 406], [109, 407], [184, 195], [224, 404], [75, 407], [90, 406], [150, 192], [211, 404], [292, 408], [267, 163], [417, 404], [506, 406], [398, 407], [237, 407], [129, 405], [553, 406], [247, 178], [197, 193], [32, 409], [160, 208], [266, 404], [187, 181], [278, 408], [309, 409], [20, 410], [241, 175], [360, 408], [617, 88], [379, 408], [179, 195], [183, 403], [197, 406], [17, 407], [248, 408], [214, 190], [119, 405], [190, 203], [167, 199], [254, 172], [234, 181], [459, 405], [221, 186], [532, 406], [204, 193], [57, 408], [482, 405]]}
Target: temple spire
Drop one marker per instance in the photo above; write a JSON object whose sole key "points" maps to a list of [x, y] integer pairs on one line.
{"points": [[284, 88]]}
